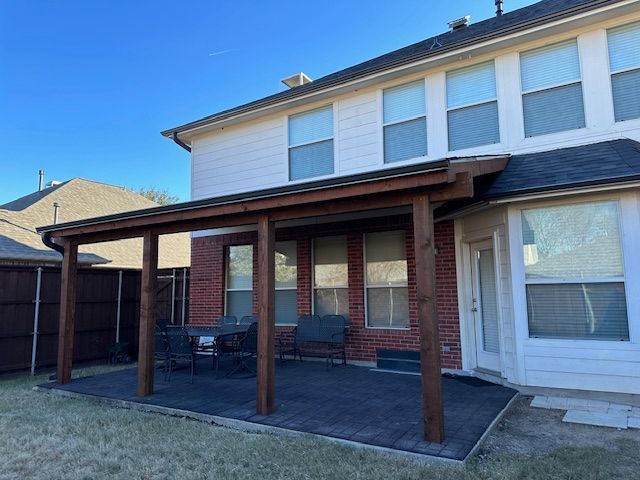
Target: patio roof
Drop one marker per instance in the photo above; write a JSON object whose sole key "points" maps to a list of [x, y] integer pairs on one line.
{"points": [[420, 186]]}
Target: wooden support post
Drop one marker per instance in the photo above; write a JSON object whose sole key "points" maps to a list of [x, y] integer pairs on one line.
{"points": [[428, 319], [147, 309], [266, 317], [66, 326]]}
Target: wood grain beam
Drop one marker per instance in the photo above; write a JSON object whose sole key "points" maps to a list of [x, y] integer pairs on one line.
{"points": [[266, 317], [433, 413], [66, 326], [146, 343]]}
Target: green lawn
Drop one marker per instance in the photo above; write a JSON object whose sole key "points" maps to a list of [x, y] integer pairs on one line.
{"points": [[45, 436]]}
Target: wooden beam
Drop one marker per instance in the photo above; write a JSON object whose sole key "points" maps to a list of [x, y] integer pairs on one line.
{"points": [[428, 319], [266, 317], [66, 326], [149, 219], [146, 343], [462, 187]]}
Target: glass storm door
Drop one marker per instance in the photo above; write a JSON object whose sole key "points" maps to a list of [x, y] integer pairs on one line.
{"points": [[485, 305]]}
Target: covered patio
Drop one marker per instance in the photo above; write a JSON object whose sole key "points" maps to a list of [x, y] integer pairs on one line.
{"points": [[417, 189], [356, 404]]}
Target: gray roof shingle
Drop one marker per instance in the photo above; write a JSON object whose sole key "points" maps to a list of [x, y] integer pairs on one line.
{"points": [[80, 199], [540, 12], [595, 164]]}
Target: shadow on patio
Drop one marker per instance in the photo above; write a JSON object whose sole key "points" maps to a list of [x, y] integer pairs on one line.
{"points": [[350, 403]]}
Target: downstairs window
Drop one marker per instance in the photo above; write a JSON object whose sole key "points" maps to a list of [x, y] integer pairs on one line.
{"points": [[574, 272]]}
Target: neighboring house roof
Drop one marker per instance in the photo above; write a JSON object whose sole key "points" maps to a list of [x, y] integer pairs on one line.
{"points": [[539, 13], [601, 163], [79, 199]]}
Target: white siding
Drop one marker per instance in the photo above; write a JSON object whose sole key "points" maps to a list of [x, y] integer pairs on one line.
{"points": [[239, 159], [254, 155], [358, 127]]}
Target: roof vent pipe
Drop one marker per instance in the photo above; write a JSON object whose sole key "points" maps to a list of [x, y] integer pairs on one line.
{"points": [[56, 209], [499, 9], [40, 179]]}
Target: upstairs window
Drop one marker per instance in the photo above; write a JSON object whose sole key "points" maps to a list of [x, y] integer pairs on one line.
{"points": [[551, 89], [311, 143], [386, 280], [405, 122], [472, 106], [624, 63], [330, 276]]}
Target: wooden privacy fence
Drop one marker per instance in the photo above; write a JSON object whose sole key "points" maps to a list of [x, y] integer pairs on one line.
{"points": [[107, 310]]}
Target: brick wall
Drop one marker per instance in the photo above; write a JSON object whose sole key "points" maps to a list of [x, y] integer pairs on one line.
{"points": [[207, 283]]}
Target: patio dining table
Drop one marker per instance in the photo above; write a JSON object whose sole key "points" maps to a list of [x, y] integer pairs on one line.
{"points": [[218, 333]]}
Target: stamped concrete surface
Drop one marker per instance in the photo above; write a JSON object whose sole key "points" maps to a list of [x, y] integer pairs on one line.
{"points": [[345, 402]]}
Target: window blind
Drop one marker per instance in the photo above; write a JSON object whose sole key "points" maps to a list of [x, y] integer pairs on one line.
{"points": [[471, 84], [488, 301], [626, 95], [311, 126], [240, 267], [330, 276], [310, 143], [624, 61], [473, 110], [551, 82], [574, 272], [624, 47], [551, 65], [404, 101], [405, 136], [386, 280], [553, 110], [473, 126]]}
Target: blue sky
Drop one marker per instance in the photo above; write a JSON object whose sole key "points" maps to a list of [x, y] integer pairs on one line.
{"points": [[86, 86]]}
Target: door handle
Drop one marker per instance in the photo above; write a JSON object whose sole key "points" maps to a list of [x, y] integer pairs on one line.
{"points": [[474, 306]]}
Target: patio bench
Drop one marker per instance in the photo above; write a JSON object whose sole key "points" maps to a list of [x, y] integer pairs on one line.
{"points": [[315, 336]]}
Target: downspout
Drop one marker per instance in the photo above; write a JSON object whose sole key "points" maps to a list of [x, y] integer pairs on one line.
{"points": [[180, 142]]}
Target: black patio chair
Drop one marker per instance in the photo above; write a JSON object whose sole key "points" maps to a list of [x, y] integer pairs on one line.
{"points": [[227, 320], [248, 320], [180, 348], [163, 323], [248, 350], [161, 351]]}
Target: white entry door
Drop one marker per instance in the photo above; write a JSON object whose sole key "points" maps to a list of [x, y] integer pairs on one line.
{"points": [[485, 305]]}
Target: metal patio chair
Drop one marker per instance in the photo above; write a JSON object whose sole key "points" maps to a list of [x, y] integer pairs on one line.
{"points": [[180, 348], [248, 320], [161, 351], [227, 320], [248, 350]]}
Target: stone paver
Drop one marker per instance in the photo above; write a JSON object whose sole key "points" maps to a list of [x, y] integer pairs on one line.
{"points": [[351, 403]]}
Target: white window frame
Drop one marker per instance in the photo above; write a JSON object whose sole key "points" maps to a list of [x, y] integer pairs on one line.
{"points": [[552, 87], [471, 104], [404, 120], [313, 271], [302, 144], [227, 250], [367, 286], [616, 72]]}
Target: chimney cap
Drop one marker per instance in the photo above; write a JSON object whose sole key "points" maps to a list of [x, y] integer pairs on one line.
{"points": [[459, 22], [296, 80]]}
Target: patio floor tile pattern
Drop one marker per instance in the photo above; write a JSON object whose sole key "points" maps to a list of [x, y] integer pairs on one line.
{"points": [[352, 403]]}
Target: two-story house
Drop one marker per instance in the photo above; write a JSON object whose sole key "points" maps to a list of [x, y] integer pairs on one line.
{"points": [[537, 274]]}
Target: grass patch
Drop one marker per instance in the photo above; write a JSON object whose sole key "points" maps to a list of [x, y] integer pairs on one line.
{"points": [[45, 436]]}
